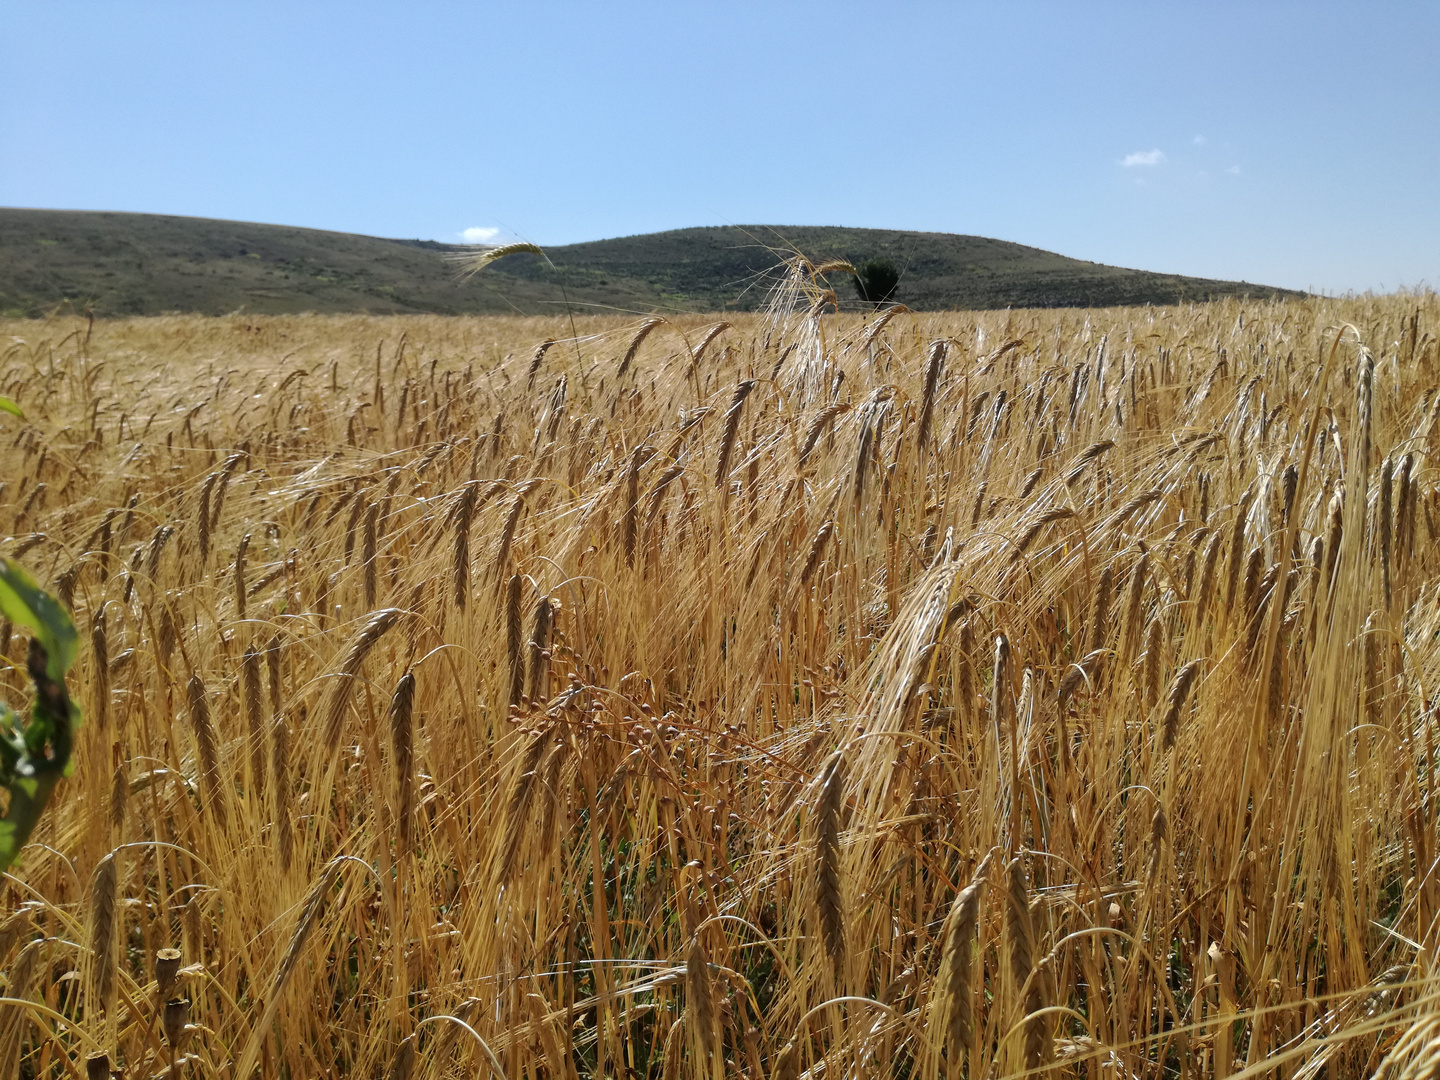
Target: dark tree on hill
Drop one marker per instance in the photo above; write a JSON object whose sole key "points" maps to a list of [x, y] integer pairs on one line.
{"points": [[876, 280]]}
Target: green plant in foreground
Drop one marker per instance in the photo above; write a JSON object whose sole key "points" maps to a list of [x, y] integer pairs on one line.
{"points": [[34, 757]]}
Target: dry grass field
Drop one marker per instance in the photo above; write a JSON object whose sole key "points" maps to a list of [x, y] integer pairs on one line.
{"points": [[902, 696]]}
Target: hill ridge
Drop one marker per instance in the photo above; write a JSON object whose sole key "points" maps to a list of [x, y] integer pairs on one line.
{"points": [[142, 264]]}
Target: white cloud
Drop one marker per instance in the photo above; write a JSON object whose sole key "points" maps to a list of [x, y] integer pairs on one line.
{"points": [[479, 234], [1143, 157], [1200, 140], [1233, 170]]}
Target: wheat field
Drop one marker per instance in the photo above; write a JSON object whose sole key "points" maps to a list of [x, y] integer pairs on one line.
{"points": [[839, 695]]}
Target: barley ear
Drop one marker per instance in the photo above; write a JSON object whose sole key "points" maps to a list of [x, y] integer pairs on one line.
{"points": [[403, 1067], [817, 549], [310, 913], [635, 342], [827, 858], [700, 1004], [1179, 693], [207, 744], [1027, 980], [1159, 831], [350, 663], [787, 1062], [1384, 513], [402, 744], [955, 994], [1099, 613], [731, 429], [472, 264], [933, 367], [102, 930], [119, 799], [100, 672], [514, 636], [254, 733], [464, 511], [540, 651], [280, 783], [239, 574]]}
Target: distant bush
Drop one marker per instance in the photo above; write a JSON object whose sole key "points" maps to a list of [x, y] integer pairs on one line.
{"points": [[876, 280]]}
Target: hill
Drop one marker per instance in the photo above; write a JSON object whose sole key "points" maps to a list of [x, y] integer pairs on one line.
{"points": [[143, 264]]}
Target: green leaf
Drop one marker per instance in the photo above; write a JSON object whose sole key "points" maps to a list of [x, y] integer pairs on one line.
{"points": [[26, 604], [27, 802], [35, 756], [6, 405]]}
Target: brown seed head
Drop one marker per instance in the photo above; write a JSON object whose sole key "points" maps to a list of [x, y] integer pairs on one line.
{"points": [[174, 1020], [167, 968]]}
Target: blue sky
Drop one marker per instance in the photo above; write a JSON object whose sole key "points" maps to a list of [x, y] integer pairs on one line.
{"points": [[1290, 144]]}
